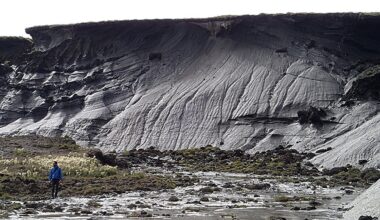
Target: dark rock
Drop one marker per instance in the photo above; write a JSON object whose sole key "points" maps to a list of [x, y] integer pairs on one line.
{"points": [[362, 162], [309, 164], [323, 150], [86, 211], [207, 190], [105, 213], [74, 209], [58, 209], [366, 85], [334, 171], [310, 155], [204, 199], [29, 211], [282, 50], [33, 205], [97, 153], [192, 209], [276, 218], [211, 184], [145, 214], [366, 217], [194, 202], [173, 199], [234, 201], [313, 115], [155, 56], [144, 206], [347, 103], [258, 186], [131, 206], [315, 203], [309, 208]]}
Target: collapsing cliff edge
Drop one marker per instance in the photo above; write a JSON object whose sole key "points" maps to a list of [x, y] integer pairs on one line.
{"points": [[303, 81]]}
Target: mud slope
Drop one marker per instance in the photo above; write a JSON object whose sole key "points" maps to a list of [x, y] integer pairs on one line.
{"points": [[306, 81], [367, 204]]}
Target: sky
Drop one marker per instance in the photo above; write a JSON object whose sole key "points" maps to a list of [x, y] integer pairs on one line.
{"points": [[16, 15]]}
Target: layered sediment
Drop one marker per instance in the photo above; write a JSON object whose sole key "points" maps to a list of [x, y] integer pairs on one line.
{"points": [[303, 81]]}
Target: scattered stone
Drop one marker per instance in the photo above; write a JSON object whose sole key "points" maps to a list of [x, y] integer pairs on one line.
{"points": [[309, 208], [173, 199], [315, 203], [204, 199], [194, 202], [33, 205], [131, 206], [74, 209], [234, 201], [211, 184], [141, 214], [86, 211], [228, 185], [296, 208], [105, 213], [144, 206], [29, 211], [58, 209], [208, 189], [258, 186]]}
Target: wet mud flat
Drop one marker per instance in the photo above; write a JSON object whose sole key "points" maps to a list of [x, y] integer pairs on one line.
{"points": [[215, 196]]}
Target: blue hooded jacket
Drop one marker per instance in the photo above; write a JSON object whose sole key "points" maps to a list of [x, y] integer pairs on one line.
{"points": [[55, 173]]}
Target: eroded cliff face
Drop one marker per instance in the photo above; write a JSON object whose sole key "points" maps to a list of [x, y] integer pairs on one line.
{"points": [[247, 82]]}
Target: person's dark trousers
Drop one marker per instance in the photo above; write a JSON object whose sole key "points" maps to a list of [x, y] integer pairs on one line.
{"points": [[54, 189]]}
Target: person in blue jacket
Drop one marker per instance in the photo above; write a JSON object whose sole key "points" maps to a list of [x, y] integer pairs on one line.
{"points": [[55, 177]]}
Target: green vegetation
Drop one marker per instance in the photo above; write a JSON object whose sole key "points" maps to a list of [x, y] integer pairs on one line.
{"points": [[280, 162], [25, 166], [37, 167], [286, 165], [355, 177], [20, 152]]}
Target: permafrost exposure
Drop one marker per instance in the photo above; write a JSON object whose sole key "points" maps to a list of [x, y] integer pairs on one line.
{"points": [[263, 84], [305, 81]]}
